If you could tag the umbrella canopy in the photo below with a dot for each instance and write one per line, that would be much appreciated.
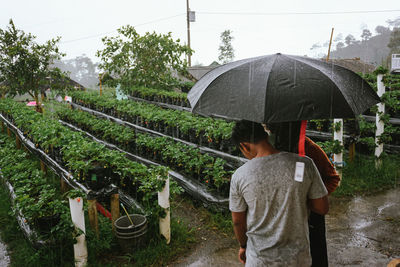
(280, 88)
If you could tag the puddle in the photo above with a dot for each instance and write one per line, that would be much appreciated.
(364, 231)
(221, 258)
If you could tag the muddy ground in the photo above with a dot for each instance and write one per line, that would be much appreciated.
(362, 231)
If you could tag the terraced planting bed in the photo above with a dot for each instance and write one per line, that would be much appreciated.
(188, 160)
(80, 156)
(37, 201)
(213, 133)
(204, 177)
(73, 157)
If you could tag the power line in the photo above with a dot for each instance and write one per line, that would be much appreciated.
(296, 13)
(137, 25)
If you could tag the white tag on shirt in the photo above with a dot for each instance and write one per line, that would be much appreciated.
(299, 173)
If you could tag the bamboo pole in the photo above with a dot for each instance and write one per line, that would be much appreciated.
(330, 44)
(18, 141)
(338, 135)
(43, 167)
(93, 218)
(63, 185)
(101, 76)
(114, 209)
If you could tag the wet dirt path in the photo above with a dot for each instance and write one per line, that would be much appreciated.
(363, 231)
(4, 259)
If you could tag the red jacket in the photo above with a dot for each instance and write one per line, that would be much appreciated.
(326, 169)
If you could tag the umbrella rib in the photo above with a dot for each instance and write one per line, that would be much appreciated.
(312, 65)
(266, 93)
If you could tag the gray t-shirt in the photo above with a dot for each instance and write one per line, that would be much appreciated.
(276, 204)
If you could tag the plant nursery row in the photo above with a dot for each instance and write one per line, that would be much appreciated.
(213, 133)
(89, 162)
(187, 160)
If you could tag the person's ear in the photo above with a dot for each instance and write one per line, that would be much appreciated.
(245, 147)
(246, 150)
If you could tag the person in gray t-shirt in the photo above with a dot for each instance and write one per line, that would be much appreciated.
(270, 197)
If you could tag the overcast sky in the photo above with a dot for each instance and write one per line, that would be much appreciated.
(81, 24)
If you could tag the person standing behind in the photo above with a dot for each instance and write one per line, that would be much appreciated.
(286, 137)
(270, 197)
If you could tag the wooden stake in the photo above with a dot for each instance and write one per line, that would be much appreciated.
(64, 186)
(18, 141)
(3, 129)
(8, 132)
(43, 167)
(114, 209)
(93, 219)
(352, 151)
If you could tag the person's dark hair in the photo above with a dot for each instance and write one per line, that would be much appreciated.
(248, 131)
(286, 135)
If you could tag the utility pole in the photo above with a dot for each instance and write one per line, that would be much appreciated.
(188, 30)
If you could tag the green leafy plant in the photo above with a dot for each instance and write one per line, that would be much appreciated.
(177, 156)
(208, 131)
(20, 52)
(143, 60)
(331, 147)
(77, 153)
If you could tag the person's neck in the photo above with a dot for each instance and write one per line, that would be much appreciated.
(266, 150)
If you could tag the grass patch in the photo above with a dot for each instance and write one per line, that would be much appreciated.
(158, 253)
(362, 178)
(20, 250)
(212, 218)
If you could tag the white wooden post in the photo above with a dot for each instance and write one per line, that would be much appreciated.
(78, 218)
(163, 201)
(379, 122)
(338, 135)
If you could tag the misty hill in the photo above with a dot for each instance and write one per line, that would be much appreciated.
(81, 70)
(373, 50)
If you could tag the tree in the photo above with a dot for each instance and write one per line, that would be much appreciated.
(382, 29)
(25, 64)
(226, 51)
(366, 35)
(394, 23)
(338, 38)
(339, 45)
(81, 69)
(315, 46)
(394, 43)
(349, 40)
(148, 60)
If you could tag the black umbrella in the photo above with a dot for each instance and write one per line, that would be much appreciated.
(280, 88)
